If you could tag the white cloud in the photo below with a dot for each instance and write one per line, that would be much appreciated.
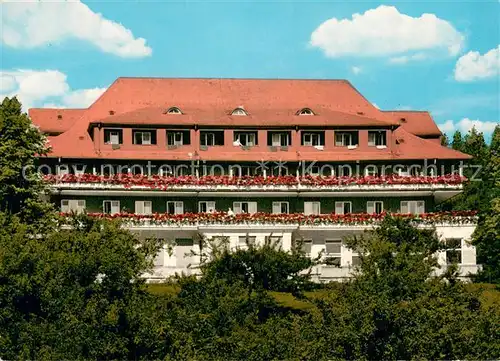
(466, 124)
(403, 59)
(356, 70)
(48, 88)
(474, 66)
(45, 22)
(384, 31)
(403, 107)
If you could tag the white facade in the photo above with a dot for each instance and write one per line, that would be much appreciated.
(183, 255)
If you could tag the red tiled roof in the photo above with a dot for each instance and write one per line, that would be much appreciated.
(55, 120)
(417, 122)
(268, 102)
(258, 117)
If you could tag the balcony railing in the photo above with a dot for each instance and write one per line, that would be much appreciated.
(154, 182)
(297, 219)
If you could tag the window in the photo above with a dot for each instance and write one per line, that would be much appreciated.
(377, 138)
(143, 207)
(345, 170)
(62, 169)
(211, 138)
(343, 207)
(175, 207)
(206, 207)
(314, 170)
(374, 207)
(113, 136)
(244, 240)
(280, 207)
(453, 250)
(143, 137)
(413, 207)
(73, 205)
(278, 139)
(111, 207)
(239, 111)
(313, 139)
(333, 252)
(306, 246)
(305, 111)
(355, 260)
(274, 240)
(207, 139)
(346, 139)
(247, 139)
(79, 169)
(244, 207)
(174, 110)
(371, 171)
(311, 208)
(178, 137)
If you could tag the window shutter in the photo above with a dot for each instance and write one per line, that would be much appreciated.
(339, 207)
(114, 138)
(252, 207)
(65, 208)
(316, 207)
(179, 207)
(370, 207)
(308, 209)
(237, 207)
(148, 209)
(338, 140)
(420, 207)
(115, 207)
(139, 207)
(276, 141)
(211, 206)
(372, 138)
(404, 207)
(276, 207)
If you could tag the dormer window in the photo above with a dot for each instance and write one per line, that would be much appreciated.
(173, 110)
(305, 111)
(239, 111)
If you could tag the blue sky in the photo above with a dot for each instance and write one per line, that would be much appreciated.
(66, 54)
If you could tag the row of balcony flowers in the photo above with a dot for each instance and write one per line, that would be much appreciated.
(155, 181)
(455, 217)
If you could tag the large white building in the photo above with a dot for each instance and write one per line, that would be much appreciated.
(251, 159)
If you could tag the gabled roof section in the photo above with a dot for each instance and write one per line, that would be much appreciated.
(417, 122)
(55, 120)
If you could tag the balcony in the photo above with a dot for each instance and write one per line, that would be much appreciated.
(291, 221)
(442, 187)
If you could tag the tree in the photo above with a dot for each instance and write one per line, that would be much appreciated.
(486, 237)
(445, 141)
(398, 308)
(75, 293)
(20, 185)
(457, 142)
(259, 267)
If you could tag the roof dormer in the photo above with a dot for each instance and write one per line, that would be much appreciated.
(173, 110)
(305, 111)
(239, 111)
